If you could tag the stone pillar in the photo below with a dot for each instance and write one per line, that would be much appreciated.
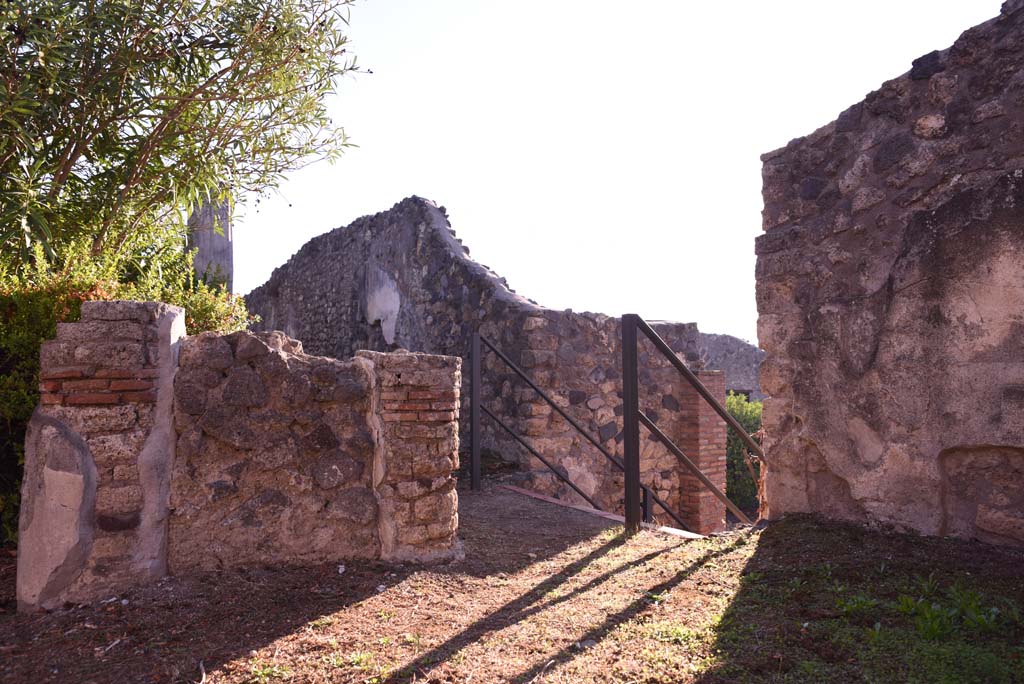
(418, 451)
(703, 440)
(210, 234)
(97, 455)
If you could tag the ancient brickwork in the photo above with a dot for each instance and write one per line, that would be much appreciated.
(705, 446)
(94, 500)
(401, 279)
(418, 409)
(154, 453)
(890, 299)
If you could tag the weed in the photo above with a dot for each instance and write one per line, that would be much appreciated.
(907, 604)
(811, 669)
(655, 597)
(385, 615)
(671, 633)
(928, 586)
(361, 660)
(751, 577)
(933, 622)
(967, 604)
(874, 634)
(858, 603)
(1012, 612)
(322, 622)
(262, 673)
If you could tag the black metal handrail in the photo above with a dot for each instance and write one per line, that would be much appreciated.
(633, 416)
(476, 407)
(666, 350)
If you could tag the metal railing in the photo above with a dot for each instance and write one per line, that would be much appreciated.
(633, 417)
(643, 494)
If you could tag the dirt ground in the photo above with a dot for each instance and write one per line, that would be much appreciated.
(548, 594)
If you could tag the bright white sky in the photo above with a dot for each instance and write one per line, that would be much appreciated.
(601, 156)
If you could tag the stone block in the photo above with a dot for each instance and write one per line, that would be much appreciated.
(139, 312)
(244, 388)
(87, 331)
(207, 349)
(334, 468)
(89, 420)
(118, 499)
(435, 508)
(122, 447)
(355, 505)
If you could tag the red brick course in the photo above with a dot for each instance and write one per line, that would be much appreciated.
(91, 398)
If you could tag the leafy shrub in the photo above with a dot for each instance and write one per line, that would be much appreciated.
(740, 487)
(34, 298)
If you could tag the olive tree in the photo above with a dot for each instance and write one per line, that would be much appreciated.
(119, 116)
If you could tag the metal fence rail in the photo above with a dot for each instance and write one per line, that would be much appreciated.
(633, 417)
(644, 496)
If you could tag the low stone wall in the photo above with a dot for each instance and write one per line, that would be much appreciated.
(401, 279)
(153, 453)
(890, 298)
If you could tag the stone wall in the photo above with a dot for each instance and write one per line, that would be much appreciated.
(739, 360)
(892, 304)
(400, 279)
(153, 453)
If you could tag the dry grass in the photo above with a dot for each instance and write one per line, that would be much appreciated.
(547, 594)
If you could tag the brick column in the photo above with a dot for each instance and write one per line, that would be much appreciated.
(418, 452)
(703, 441)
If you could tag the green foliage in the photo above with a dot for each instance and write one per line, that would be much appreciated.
(740, 487)
(118, 117)
(964, 609)
(856, 604)
(34, 298)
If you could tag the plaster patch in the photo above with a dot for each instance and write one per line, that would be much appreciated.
(382, 302)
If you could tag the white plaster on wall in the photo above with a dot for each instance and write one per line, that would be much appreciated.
(382, 302)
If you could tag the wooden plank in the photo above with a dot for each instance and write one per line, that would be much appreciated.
(601, 514)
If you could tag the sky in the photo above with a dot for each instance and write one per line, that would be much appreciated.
(600, 156)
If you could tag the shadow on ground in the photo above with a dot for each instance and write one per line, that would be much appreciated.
(162, 633)
(549, 594)
(824, 601)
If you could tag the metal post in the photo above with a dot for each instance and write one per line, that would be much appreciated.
(648, 513)
(474, 414)
(631, 423)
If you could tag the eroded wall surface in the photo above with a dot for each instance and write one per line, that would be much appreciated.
(891, 300)
(400, 278)
(155, 453)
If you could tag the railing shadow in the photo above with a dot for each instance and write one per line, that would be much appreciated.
(525, 606)
(624, 615)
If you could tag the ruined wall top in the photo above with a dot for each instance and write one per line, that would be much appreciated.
(950, 123)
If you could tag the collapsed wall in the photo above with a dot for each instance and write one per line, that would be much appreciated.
(891, 299)
(401, 279)
(155, 453)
